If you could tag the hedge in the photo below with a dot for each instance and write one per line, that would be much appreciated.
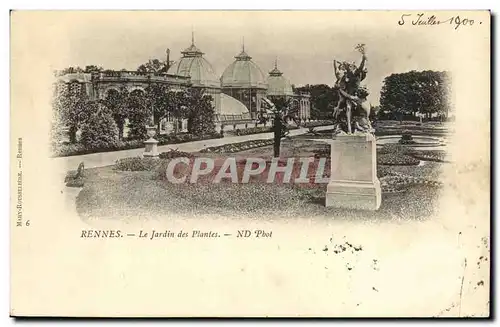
(67, 149)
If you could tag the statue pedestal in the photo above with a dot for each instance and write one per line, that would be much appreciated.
(151, 148)
(353, 181)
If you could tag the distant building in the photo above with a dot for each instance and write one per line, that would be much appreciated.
(245, 81)
(278, 85)
(236, 95)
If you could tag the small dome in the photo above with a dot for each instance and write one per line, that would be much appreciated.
(231, 106)
(243, 73)
(193, 65)
(278, 85)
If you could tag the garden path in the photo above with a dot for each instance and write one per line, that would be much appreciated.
(102, 159)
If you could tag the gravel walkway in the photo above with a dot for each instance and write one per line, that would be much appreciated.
(108, 158)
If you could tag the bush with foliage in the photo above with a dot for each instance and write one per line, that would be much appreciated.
(406, 138)
(99, 130)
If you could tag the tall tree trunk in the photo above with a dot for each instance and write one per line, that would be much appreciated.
(277, 126)
(72, 134)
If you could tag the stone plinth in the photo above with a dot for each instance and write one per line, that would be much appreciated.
(151, 148)
(353, 181)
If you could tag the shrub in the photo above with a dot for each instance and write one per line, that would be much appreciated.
(100, 130)
(406, 138)
(136, 164)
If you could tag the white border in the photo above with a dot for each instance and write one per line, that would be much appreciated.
(213, 5)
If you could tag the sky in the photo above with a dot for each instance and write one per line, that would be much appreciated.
(304, 43)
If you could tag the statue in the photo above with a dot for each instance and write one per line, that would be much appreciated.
(352, 110)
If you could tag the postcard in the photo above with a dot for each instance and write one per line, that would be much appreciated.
(250, 163)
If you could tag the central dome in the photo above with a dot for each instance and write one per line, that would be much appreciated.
(192, 64)
(243, 73)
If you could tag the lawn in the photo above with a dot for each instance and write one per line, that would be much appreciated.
(112, 193)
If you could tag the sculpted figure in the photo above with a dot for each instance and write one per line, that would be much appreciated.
(352, 111)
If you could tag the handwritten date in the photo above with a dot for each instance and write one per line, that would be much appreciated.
(424, 20)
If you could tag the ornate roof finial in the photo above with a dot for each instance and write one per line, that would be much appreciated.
(275, 71)
(192, 51)
(243, 55)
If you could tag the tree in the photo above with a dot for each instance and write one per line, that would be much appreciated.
(279, 110)
(74, 70)
(200, 112)
(139, 115)
(177, 107)
(425, 92)
(92, 69)
(70, 106)
(100, 130)
(323, 99)
(157, 101)
(154, 66)
(69, 70)
(118, 103)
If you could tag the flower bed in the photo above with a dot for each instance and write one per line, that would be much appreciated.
(174, 153)
(251, 130)
(66, 150)
(136, 164)
(399, 159)
(381, 131)
(317, 123)
(237, 147)
(429, 155)
(392, 148)
(256, 130)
